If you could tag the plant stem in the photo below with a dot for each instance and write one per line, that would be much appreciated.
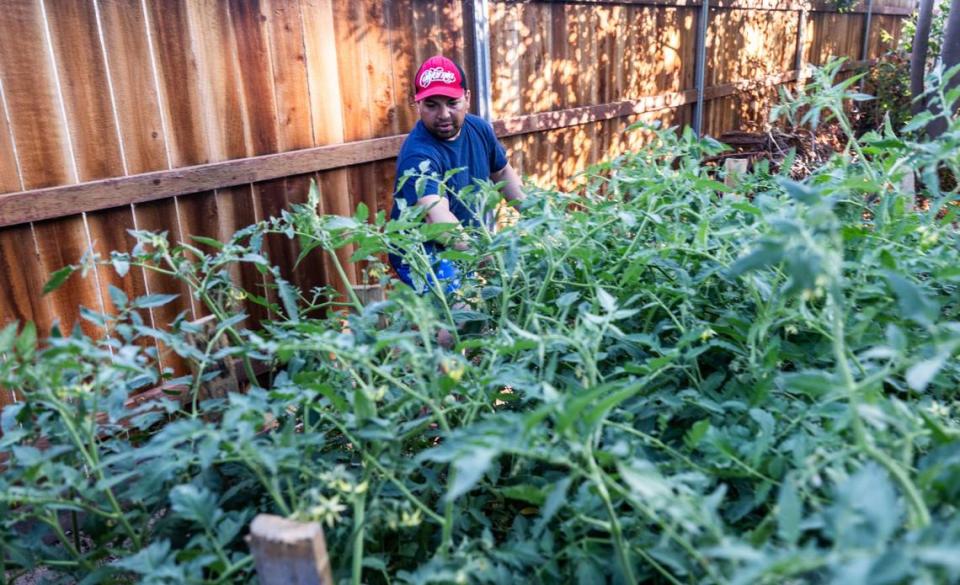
(359, 518)
(919, 514)
(623, 552)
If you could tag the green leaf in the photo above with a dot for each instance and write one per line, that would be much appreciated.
(195, 504)
(288, 296)
(789, 511)
(7, 336)
(524, 493)
(799, 191)
(696, 433)
(121, 263)
(567, 299)
(554, 501)
(154, 300)
(363, 212)
(711, 185)
(607, 301)
(914, 304)
(213, 243)
(468, 469)
(920, 374)
(432, 231)
(765, 254)
(919, 121)
(118, 297)
(27, 342)
(812, 383)
(58, 278)
(154, 560)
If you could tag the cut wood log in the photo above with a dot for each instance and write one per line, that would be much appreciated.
(287, 552)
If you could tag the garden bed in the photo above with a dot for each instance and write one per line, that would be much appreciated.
(648, 383)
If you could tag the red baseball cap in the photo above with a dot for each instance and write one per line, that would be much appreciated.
(439, 76)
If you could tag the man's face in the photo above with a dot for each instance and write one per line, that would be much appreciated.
(443, 116)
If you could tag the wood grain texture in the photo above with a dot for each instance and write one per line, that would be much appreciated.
(399, 23)
(9, 172)
(84, 89)
(326, 112)
(161, 216)
(33, 205)
(22, 299)
(178, 81)
(323, 76)
(130, 70)
(292, 89)
(32, 98)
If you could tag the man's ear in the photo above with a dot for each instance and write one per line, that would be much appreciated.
(466, 97)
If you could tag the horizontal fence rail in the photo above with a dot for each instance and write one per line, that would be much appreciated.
(52, 202)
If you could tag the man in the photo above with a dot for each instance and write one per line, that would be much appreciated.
(447, 138)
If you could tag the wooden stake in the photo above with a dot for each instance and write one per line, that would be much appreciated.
(287, 552)
(732, 169)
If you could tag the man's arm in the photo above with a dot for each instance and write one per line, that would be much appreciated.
(512, 189)
(438, 211)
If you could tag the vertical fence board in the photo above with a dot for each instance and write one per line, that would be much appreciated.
(88, 104)
(289, 75)
(131, 71)
(178, 81)
(378, 66)
(138, 106)
(9, 174)
(326, 112)
(84, 89)
(505, 56)
(294, 122)
(399, 15)
(31, 96)
(254, 69)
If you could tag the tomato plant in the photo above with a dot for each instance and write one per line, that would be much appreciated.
(660, 379)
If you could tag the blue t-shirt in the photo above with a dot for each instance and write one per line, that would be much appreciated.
(476, 148)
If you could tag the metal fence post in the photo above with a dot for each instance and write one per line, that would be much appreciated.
(865, 53)
(478, 30)
(701, 65)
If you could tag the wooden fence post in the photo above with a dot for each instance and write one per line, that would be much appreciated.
(287, 552)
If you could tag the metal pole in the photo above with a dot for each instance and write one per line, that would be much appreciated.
(701, 65)
(481, 47)
(866, 32)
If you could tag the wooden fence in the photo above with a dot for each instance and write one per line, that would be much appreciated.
(199, 117)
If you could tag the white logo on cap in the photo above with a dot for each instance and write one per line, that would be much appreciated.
(436, 74)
